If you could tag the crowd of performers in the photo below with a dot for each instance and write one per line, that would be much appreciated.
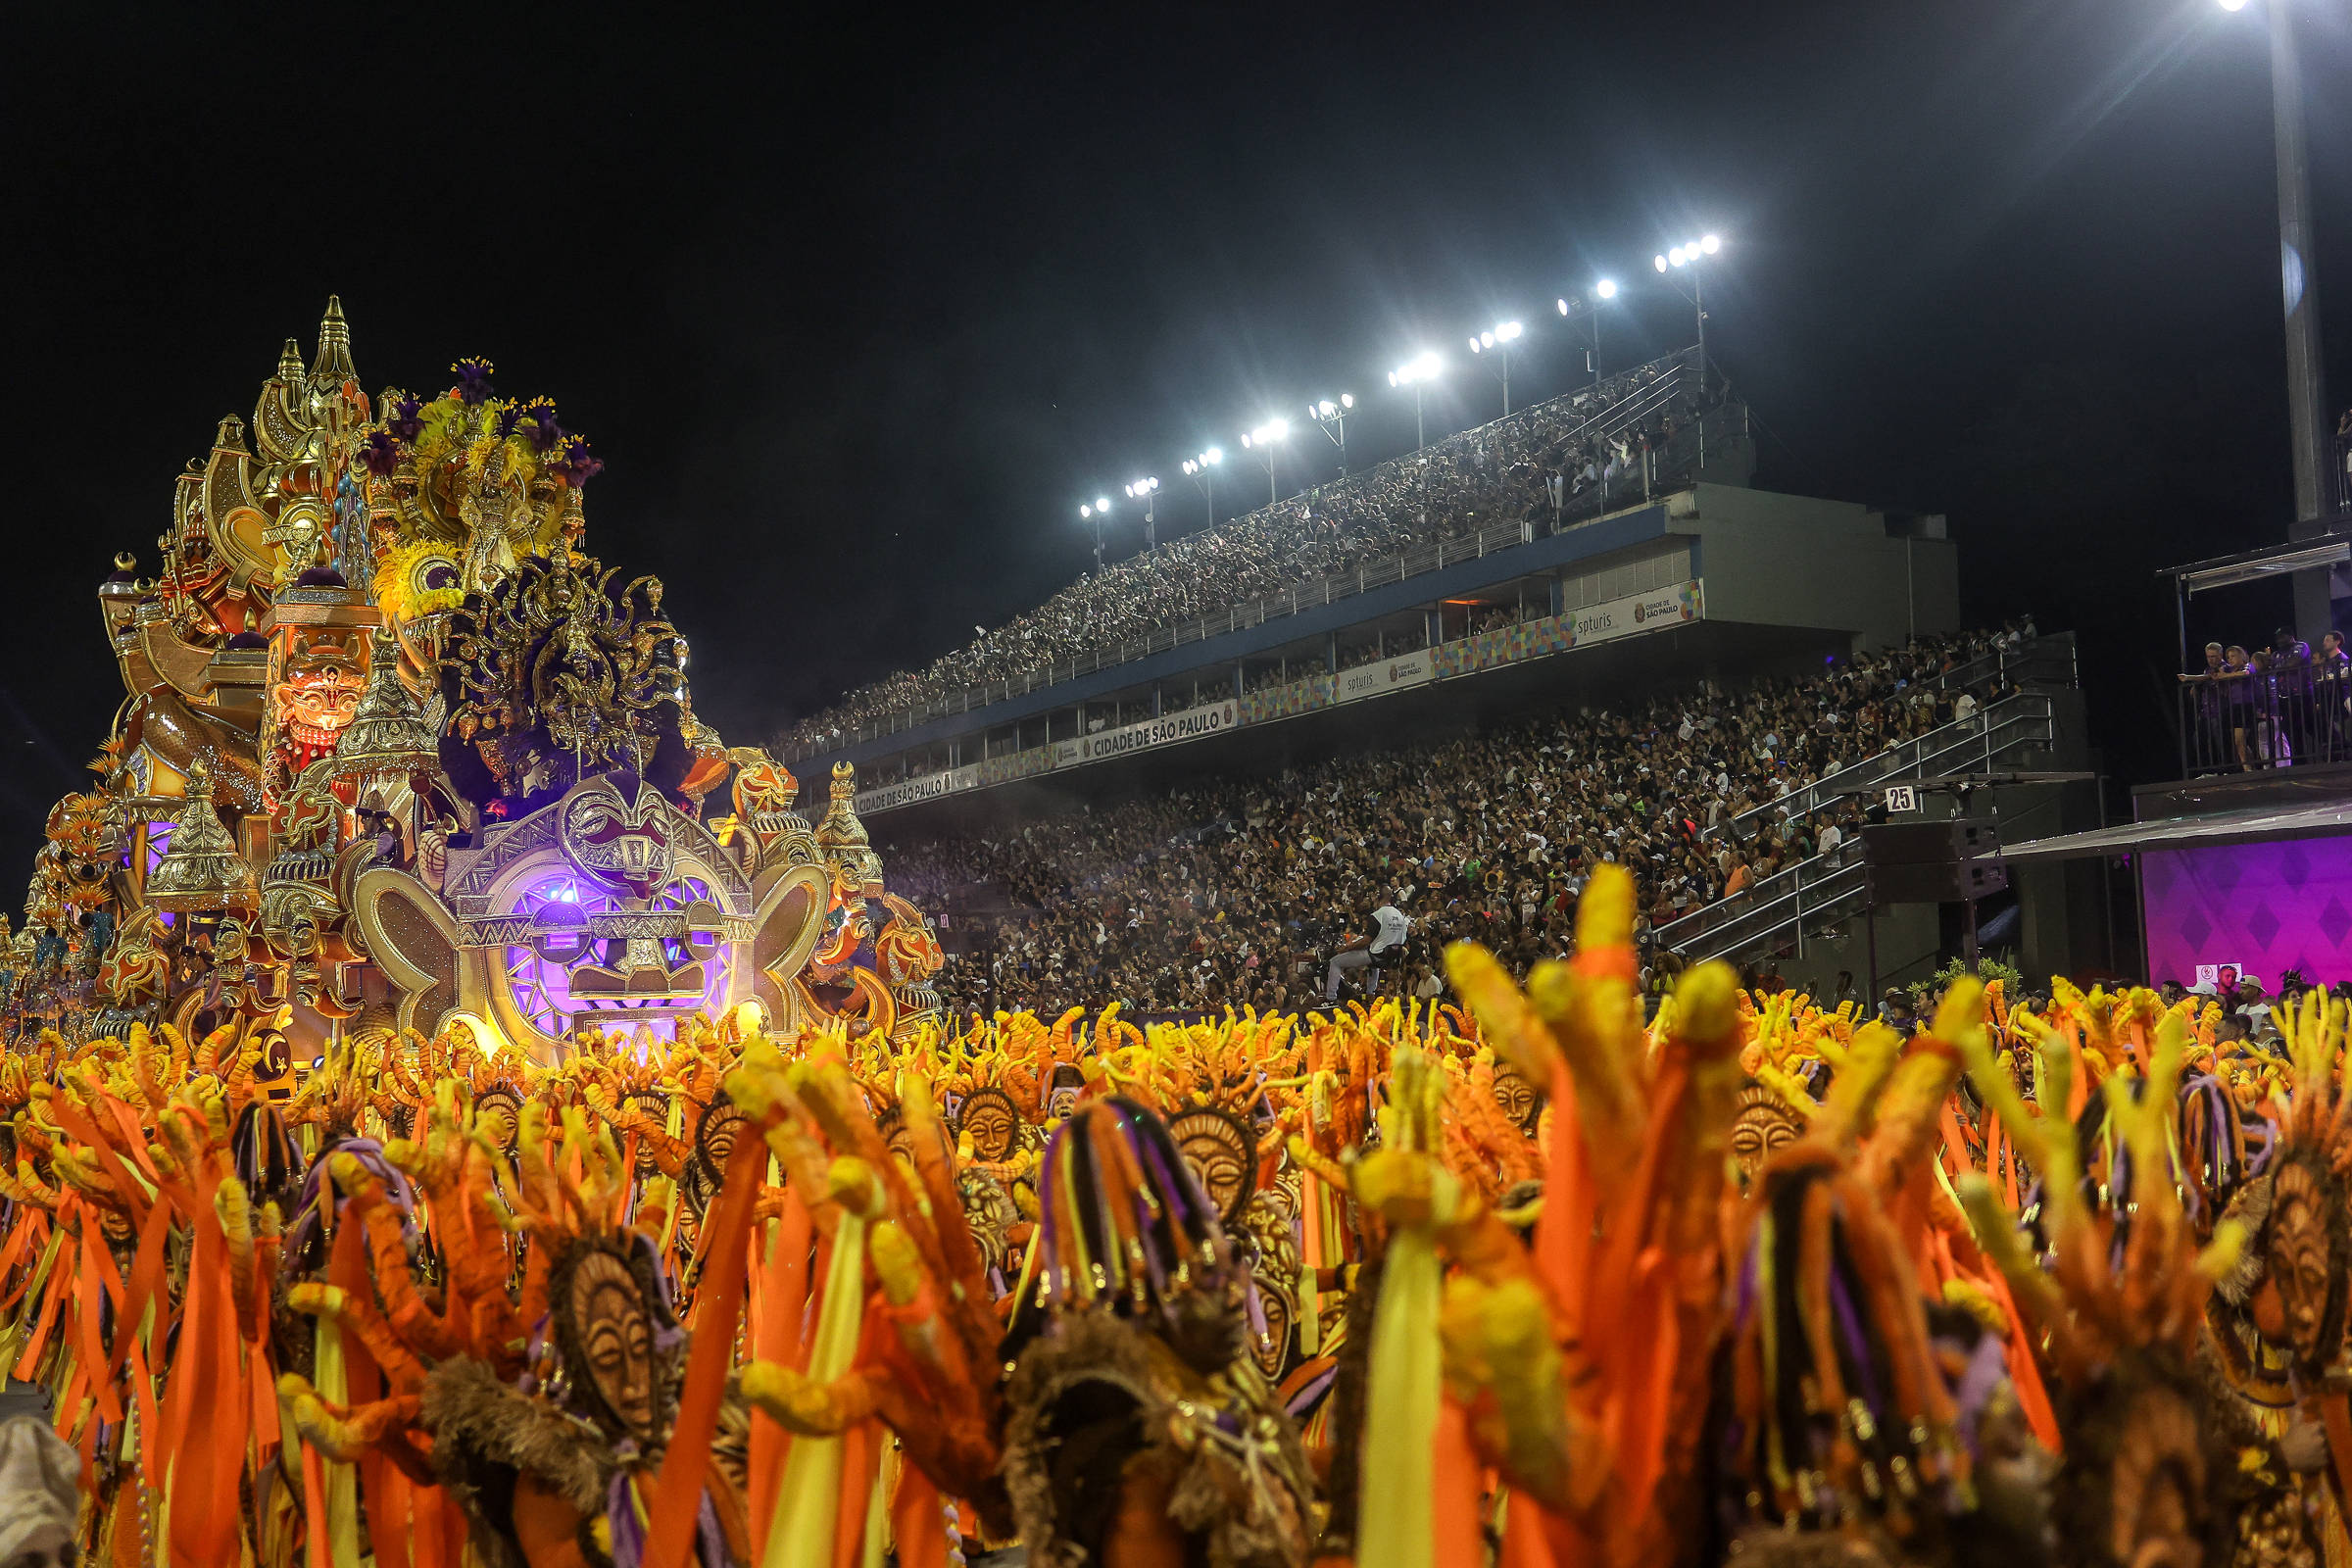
(1536, 1281)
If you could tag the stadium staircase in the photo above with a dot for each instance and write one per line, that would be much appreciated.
(1776, 913)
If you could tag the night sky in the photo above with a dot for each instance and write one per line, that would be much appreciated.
(858, 309)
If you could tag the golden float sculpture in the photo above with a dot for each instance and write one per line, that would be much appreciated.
(395, 754)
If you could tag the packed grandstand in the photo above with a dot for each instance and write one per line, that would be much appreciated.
(1540, 467)
(1236, 894)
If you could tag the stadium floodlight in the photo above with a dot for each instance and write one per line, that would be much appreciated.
(1690, 256)
(1097, 515)
(1147, 490)
(1332, 419)
(1498, 339)
(1201, 470)
(1417, 372)
(1263, 440)
(2233, 5)
(1586, 308)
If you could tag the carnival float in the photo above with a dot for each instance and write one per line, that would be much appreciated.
(396, 754)
(457, 1111)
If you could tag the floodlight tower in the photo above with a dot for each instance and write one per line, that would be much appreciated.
(1587, 311)
(1498, 342)
(1264, 440)
(1694, 257)
(1147, 490)
(1097, 514)
(1201, 470)
(1417, 372)
(1331, 418)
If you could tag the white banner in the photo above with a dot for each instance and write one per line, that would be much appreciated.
(1388, 675)
(929, 787)
(1194, 723)
(1067, 754)
(1652, 612)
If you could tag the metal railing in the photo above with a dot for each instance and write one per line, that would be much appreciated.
(2295, 716)
(2048, 661)
(1654, 472)
(1830, 885)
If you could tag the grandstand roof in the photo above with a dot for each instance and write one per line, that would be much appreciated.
(2253, 824)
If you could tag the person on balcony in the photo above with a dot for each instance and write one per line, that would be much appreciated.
(2243, 697)
(2295, 717)
(2331, 686)
(2210, 750)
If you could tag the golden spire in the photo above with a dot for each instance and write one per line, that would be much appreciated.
(387, 735)
(202, 869)
(289, 364)
(333, 363)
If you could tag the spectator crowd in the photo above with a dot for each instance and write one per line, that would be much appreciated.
(2274, 707)
(1241, 893)
(1537, 468)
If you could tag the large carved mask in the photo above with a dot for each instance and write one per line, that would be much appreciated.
(616, 839)
(316, 696)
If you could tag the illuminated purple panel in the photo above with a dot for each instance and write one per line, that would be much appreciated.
(159, 842)
(2265, 907)
(542, 987)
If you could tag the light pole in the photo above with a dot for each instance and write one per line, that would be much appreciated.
(2299, 280)
(1147, 491)
(1331, 418)
(1693, 256)
(1417, 372)
(1202, 471)
(1588, 312)
(1263, 441)
(1096, 515)
(1499, 343)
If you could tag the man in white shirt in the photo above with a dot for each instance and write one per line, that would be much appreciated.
(1389, 928)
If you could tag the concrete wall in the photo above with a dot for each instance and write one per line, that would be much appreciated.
(1910, 947)
(1763, 555)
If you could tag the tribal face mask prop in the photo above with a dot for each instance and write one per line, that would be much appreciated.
(618, 839)
(615, 1334)
(2305, 1258)
(1219, 1151)
(313, 699)
(992, 1125)
(1762, 1128)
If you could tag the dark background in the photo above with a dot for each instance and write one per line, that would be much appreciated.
(858, 309)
